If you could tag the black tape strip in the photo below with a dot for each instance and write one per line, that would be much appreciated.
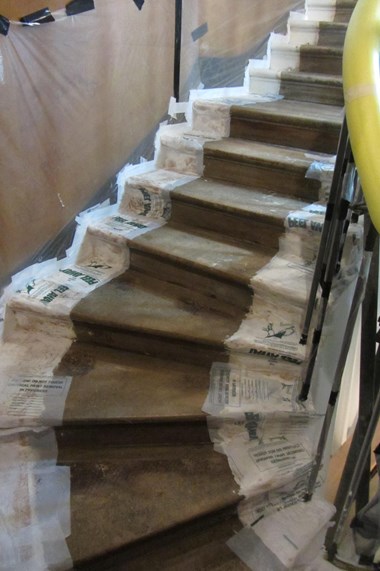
(139, 3)
(79, 6)
(199, 32)
(40, 17)
(4, 25)
(333, 397)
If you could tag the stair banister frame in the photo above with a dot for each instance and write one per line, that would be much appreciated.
(361, 85)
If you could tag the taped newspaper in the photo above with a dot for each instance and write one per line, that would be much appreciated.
(30, 392)
(265, 451)
(236, 390)
(272, 328)
(285, 280)
(253, 509)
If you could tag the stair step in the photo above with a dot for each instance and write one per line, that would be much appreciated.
(314, 88)
(242, 213)
(212, 266)
(133, 493)
(127, 315)
(198, 545)
(343, 10)
(254, 164)
(332, 34)
(304, 31)
(122, 398)
(308, 126)
(321, 59)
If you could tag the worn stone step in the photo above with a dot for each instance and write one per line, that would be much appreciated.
(120, 398)
(321, 59)
(304, 30)
(314, 88)
(130, 494)
(332, 34)
(242, 213)
(197, 545)
(200, 545)
(308, 126)
(259, 165)
(127, 314)
(343, 10)
(215, 268)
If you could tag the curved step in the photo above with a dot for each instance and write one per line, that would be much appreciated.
(332, 33)
(213, 267)
(116, 386)
(130, 494)
(314, 88)
(343, 10)
(302, 125)
(242, 213)
(321, 59)
(199, 545)
(165, 321)
(254, 164)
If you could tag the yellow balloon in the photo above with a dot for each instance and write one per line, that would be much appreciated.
(361, 84)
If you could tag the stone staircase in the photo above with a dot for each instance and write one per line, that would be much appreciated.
(148, 491)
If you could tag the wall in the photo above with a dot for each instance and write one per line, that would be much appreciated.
(76, 96)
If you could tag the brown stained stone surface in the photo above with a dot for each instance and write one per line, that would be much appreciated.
(203, 251)
(123, 306)
(202, 546)
(142, 491)
(332, 33)
(291, 112)
(246, 202)
(284, 122)
(115, 386)
(244, 151)
(321, 59)
(312, 87)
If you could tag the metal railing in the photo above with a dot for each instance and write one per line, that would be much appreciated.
(355, 191)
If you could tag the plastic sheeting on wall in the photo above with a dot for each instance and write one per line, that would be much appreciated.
(77, 96)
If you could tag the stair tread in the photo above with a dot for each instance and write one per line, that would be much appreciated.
(112, 386)
(240, 200)
(138, 492)
(339, 26)
(318, 50)
(247, 151)
(288, 111)
(317, 78)
(121, 304)
(202, 548)
(205, 251)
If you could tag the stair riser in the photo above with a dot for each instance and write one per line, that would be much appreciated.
(311, 92)
(213, 293)
(249, 230)
(152, 345)
(98, 440)
(201, 544)
(259, 175)
(298, 136)
(343, 15)
(330, 37)
(328, 64)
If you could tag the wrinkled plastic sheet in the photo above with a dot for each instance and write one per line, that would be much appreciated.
(289, 539)
(34, 502)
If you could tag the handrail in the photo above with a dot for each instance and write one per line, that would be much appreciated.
(361, 83)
